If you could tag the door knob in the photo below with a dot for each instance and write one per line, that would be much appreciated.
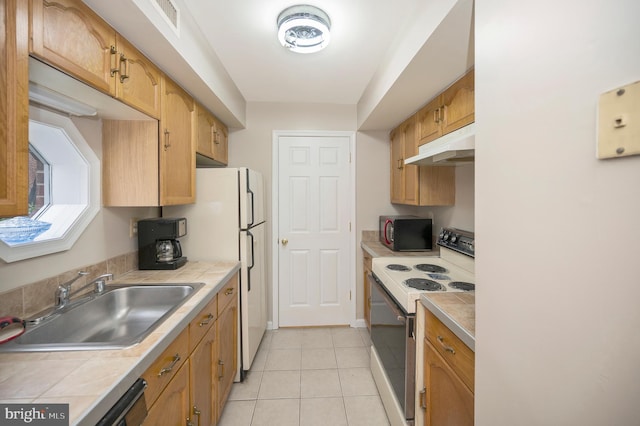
(284, 241)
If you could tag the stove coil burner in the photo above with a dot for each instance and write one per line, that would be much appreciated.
(427, 267)
(461, 285)
(424, 284)
(397, 267)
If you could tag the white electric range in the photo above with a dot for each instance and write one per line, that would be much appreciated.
(396, 283)
(406, 278)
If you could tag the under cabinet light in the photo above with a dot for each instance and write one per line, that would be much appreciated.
(52, 99)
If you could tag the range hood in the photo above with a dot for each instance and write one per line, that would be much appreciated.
(457, 147)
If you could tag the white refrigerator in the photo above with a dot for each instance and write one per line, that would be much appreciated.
(227, 223)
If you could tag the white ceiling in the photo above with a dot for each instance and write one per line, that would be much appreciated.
(244, 38)
(387, 58)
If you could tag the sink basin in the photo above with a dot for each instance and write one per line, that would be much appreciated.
(118, 318)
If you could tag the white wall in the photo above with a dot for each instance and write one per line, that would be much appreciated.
(557, 230)
(107, 236)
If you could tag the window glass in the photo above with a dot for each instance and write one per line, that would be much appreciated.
(64, 189)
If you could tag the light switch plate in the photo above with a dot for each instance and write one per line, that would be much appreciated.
(619, 122)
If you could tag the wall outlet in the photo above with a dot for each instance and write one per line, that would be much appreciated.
(133, 227)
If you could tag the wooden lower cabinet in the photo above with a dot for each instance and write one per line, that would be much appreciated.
(227, 351)
(448, 401)
(203, 386)
(366, 257)
(445, 368)
(190, 382)
(172, 407)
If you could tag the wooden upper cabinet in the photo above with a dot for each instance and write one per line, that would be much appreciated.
(221, 143)
(130, 163)
(177, 146)
(414, 185)
(452, 109)
(14, 108)
(211, 137)
(137, 79)
(70, 36)
(404, 178)
(429, 121)
(458, 103)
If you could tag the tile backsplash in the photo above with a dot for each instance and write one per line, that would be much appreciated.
(28, 300)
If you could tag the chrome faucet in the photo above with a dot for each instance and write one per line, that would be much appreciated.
(64, 293)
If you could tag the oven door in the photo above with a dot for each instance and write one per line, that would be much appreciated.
(392, 336)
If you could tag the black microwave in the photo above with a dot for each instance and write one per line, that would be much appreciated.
(406, 233)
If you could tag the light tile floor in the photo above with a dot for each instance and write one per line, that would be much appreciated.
(308, 377)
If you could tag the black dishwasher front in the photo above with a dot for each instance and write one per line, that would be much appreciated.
(130, 410)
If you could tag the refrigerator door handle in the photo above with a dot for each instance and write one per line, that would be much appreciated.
(253, 263)
(250, 192)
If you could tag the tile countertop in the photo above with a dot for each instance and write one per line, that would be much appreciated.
(457, 311)
(92, 381)
(377, 249)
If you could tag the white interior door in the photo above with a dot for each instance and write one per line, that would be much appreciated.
(314, 212)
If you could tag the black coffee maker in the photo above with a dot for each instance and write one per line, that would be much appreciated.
(158, 245)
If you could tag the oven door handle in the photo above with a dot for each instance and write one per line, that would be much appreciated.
(400, 316)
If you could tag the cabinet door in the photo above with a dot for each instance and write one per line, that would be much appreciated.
(137, 79)
(177, 146)
(220, 143)
(459, 104)
(172, 406)
(227, 351)
(14, 108)
(129, 170)
(397, 166)
(429, 121)
(448, 401)
(70, 36)
(411, 171)
(205, 132)
(203, 382)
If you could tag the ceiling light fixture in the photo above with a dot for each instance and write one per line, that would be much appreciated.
(304, 28)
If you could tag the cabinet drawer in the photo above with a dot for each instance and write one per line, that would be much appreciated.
(458, 355)
(228, 293)
(165, 366)
(199, 326)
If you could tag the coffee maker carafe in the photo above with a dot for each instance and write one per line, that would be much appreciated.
(158, 245)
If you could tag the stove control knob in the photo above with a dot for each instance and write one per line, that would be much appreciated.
(454, 238)
(446, 236)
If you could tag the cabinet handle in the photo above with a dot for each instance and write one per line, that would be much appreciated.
(221, 370)
(228, 291)
(401, 164)
(167, 144)
(423, 399)
(115, 63)
(443, 108)
(436, 115)
(215, 137)
(189, 422)
(206, 321)
(446, 347)
(124, 75)
(168, 369)
(197, 412)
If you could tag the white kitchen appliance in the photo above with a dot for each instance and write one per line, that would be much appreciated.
(227, 223)
(396, 285)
